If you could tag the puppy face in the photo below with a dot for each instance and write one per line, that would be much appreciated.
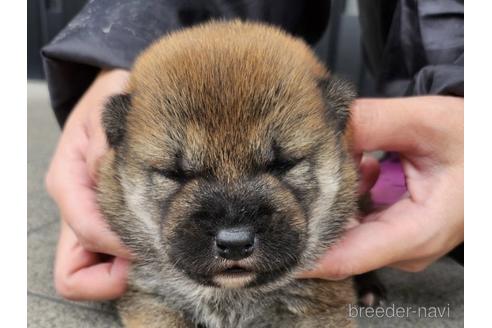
(230, 152)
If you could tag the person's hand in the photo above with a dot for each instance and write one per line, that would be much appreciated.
(80, 271)
(84, 275)
(427, 222)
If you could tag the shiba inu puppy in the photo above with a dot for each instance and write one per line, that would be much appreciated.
(228, 173)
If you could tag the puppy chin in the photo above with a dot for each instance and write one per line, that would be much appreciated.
(233, 280)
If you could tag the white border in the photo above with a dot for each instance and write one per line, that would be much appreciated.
(478, 162)
(13, 248)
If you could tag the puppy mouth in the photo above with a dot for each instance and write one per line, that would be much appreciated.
(234, 276)
(235, 271)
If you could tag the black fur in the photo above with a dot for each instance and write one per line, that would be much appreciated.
(216, 208)
(114, 118)
(339, 94)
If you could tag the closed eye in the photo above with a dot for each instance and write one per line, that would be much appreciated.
(281, 166)
(177, 175)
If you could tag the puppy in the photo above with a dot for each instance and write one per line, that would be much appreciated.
(229, 173)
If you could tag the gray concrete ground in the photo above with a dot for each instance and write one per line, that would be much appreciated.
(439, 287)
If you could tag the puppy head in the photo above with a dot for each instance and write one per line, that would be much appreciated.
(230, 151)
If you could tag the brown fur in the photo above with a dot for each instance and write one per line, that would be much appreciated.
(207, 112)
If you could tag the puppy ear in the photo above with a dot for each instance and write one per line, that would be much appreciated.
(114, 118)
(339, 95)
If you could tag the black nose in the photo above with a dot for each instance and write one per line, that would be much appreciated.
(235, 243)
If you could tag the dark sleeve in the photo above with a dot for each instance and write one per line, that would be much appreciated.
(415, 47)
(110, 34)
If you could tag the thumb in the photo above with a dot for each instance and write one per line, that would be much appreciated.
(386, 124)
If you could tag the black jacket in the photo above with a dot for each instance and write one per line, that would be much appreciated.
(411, 47)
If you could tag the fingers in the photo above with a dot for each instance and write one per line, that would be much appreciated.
(373, 244)
(414, 265)
(385, 124)
(80, 272)
(95, 152)
(78, 205)
(91, 105)
(69, 184)
(81, 275)
(98, 281)
(79, 208)
(369, 173)
(98, 145)
(400, 124)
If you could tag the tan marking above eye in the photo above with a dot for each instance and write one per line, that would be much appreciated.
(301, 168)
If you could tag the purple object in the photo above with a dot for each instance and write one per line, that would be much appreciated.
(391, 183)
